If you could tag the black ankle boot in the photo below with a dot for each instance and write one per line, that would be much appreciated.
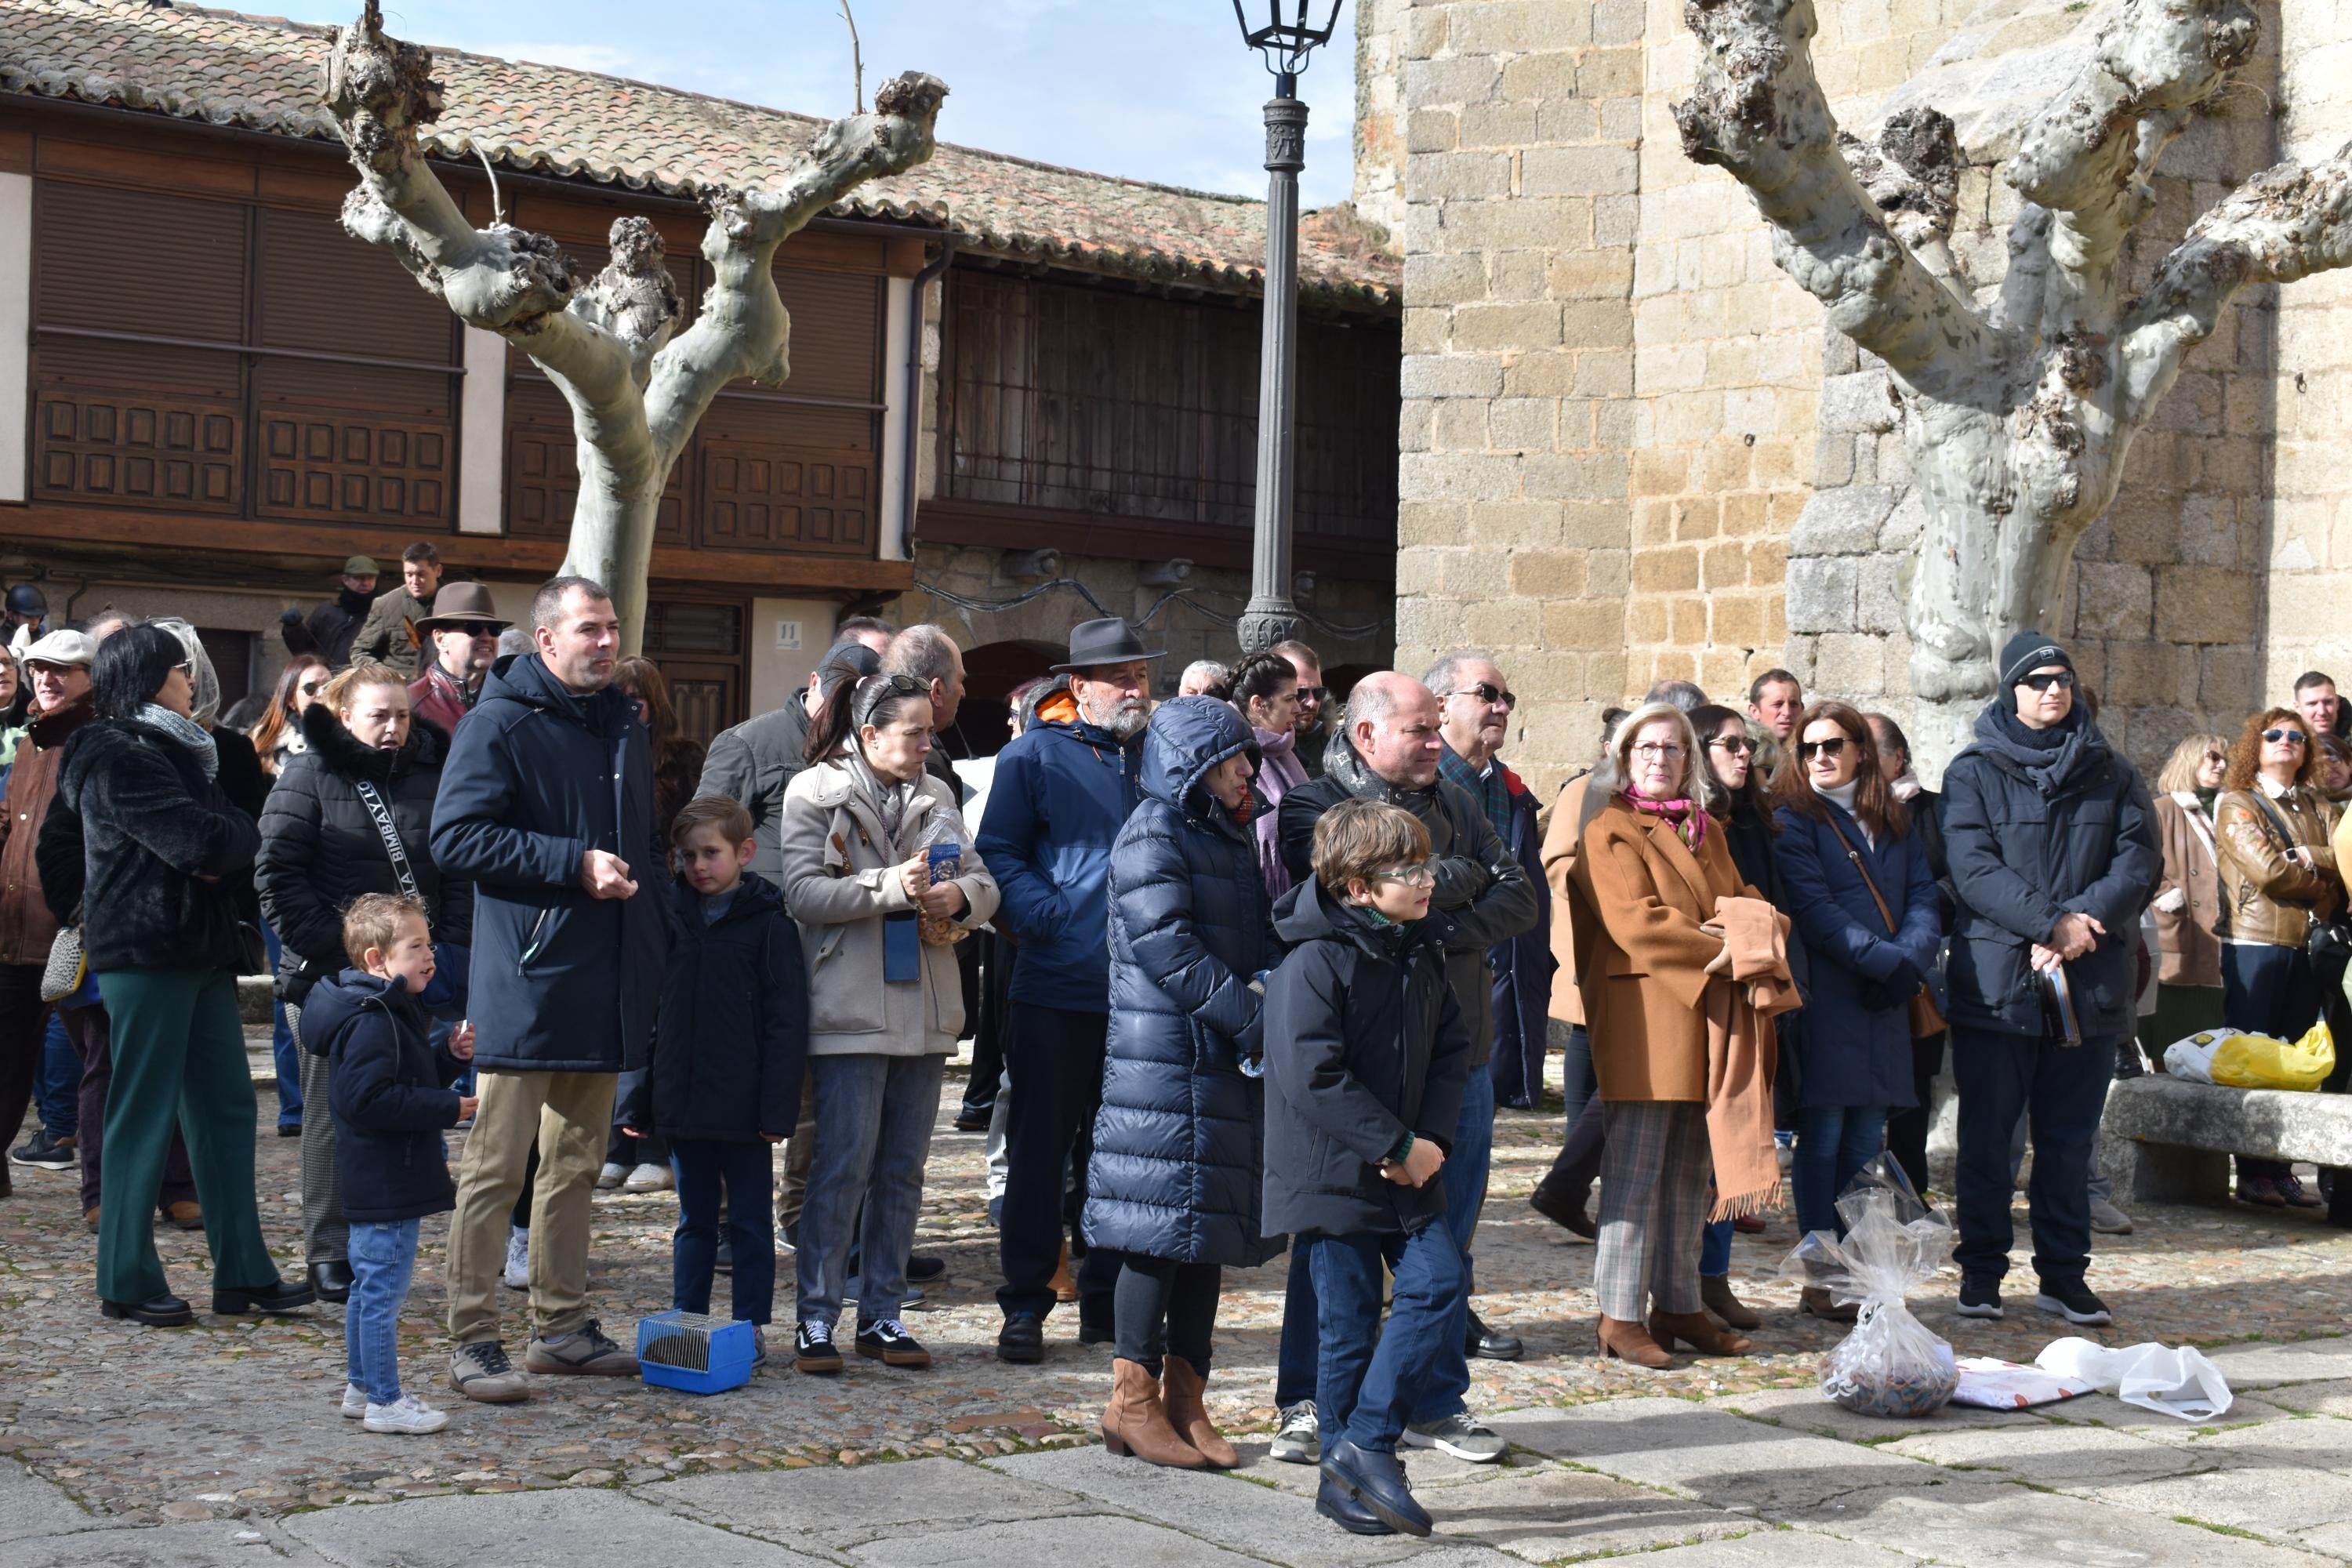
(332, 1280)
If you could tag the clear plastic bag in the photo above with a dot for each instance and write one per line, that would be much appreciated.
(1890, 1364)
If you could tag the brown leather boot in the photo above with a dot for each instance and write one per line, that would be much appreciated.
(1189, 1413)
(1142, 1427)
(1817, 1301)
(1623, 1341)
(1065, 1287)
(1697, 1330)
(1715, 1292)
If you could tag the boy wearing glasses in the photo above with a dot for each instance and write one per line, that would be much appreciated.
(2053, 847)
(1367, 1058)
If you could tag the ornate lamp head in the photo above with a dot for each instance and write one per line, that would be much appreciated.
(1286, 44)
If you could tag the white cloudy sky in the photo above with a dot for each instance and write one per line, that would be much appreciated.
(1155, 90)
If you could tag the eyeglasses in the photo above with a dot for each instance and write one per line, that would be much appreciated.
(1421, 876)
(1493, 695)
(1734, 744)
(2287, 737)
(2043, 681)
(1658, 750)
(1832, 747)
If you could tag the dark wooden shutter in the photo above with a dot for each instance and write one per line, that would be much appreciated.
(136, 424)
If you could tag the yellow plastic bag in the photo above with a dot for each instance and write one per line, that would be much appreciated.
(2259, 1061)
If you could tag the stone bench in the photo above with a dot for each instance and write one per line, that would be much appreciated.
(2166, 1140)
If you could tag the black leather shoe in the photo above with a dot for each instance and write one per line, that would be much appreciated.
(1480, 1342)
(1096, 1334)
(1562, 1210)
(332, 1280)
(1377, 1481)
(969, 1120)
(922, 1267)
(1332, 1501)
(165, 1311)
(278, 1299)
(1023, 1339)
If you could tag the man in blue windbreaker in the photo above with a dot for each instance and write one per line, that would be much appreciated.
(1060, 794)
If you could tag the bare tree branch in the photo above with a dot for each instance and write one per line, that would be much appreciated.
(1760, 113)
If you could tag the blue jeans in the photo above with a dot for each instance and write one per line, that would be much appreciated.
(2061, 1088)
(1368, 1377)
(285, 1055)
(1833, 1143)
(874, 1120)
(746, 1172)
(1464, 1175)
(382, 1259)
(1295, 1364)
(56, 1081)
(1714, 1249)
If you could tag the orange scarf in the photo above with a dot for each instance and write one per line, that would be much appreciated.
(1750, 985)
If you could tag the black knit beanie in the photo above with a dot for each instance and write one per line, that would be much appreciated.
(2027, 652)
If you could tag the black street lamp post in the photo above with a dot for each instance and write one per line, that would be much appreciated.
(1270, 617)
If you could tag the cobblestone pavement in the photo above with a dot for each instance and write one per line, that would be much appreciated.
(223, 1436)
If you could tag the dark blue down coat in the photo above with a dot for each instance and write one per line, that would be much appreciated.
(1178, 1142)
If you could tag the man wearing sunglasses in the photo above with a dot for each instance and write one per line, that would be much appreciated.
(2052, 849)
(1313, 696)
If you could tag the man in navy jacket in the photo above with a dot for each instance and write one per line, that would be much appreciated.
(546, 805)
(1060, 794)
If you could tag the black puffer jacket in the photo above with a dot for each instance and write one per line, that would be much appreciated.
(389, 1094)
(733, 1040)
(2038, 825)
(1178, 1165)
(148, 847)
(321, 848)
(1484, 896)
(1364, 1042)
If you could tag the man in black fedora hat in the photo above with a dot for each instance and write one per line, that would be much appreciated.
(1061, 793)
(460, 638)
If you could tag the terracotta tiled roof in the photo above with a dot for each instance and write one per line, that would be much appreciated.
(262, 73)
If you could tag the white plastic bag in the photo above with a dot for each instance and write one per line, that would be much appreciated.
(1890, 1364)
(2170, 1382)
(2191, 1059)
(1992, 1384)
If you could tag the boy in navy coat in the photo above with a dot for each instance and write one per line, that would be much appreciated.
(390, 1108)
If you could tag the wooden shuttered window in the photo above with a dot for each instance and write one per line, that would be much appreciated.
(225, 358)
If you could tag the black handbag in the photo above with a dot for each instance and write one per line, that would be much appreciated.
(2329, 938)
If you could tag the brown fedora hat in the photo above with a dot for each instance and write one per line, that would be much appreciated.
(466, 604)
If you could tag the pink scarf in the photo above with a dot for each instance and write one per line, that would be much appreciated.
(1683, 816)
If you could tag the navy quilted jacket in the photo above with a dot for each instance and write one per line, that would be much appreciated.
(1179, 1140)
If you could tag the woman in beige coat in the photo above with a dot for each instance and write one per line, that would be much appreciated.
(863, 826)
(2187, 908)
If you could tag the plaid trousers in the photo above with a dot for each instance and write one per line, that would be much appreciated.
(1653, 1196)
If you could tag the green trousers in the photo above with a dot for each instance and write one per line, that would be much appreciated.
(179, 1051)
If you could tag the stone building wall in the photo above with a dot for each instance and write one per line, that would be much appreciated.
(1728, 495)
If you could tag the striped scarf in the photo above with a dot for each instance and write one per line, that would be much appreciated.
(1487, 788)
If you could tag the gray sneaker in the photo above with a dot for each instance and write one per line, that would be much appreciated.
(1460, 1436)
(2109, 1220)
(586, 1352)
(480, 1371)
(1297, 1440)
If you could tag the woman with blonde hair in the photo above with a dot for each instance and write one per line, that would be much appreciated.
(2272, 829)
(2187, 907)
(1682, 964)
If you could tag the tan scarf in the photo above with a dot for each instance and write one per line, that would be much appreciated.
(1750, 984)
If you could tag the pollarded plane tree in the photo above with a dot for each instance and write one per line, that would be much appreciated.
(637, 387)
(2017, 415)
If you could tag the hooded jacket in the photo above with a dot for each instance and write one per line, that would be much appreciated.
(2038, 825)
(1365, 1042)
(1062, 791)
(148, 848)
(733, 1040)
(27, 927)
(753, 763)
(389, 1094)
(1178, 1161)
(321, 848)
(537, 777)
(1483, 897)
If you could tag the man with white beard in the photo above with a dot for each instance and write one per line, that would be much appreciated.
(1060, 794)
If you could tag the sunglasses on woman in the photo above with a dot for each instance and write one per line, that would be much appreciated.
(2288, 737)
(1832, 747)
(1734, 744)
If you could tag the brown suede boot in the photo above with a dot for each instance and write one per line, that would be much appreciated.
(1142, 1427)
(1817, 1301)
(1715, 1292)
(1189, 1413)
(1697, 1330)
(1623, 1341)
(1065, 1287)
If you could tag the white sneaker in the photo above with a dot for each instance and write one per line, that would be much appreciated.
(648, 1178)
(611, 1175)
(407, 1415)
(356, 1402)
(518, 1270)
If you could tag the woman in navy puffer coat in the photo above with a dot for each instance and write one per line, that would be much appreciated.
(1175, 1183)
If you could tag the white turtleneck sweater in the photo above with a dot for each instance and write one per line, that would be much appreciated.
(1845, 794)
